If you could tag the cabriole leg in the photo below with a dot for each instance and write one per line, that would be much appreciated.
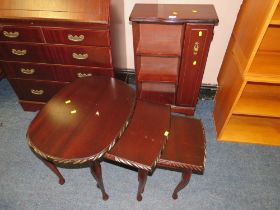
(186, 175)
(142, 178)
(55, 170)
(96, 172)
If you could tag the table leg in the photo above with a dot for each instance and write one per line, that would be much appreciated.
(186, 176)
(55, 170)
(96, 172)
(142, 178)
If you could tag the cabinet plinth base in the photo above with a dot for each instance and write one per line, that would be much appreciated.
(183, 110)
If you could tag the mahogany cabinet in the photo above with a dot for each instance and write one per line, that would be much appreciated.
(171, 44)
(44, 45)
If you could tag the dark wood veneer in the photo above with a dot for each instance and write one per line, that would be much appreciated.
(162, 35)
(54, 45)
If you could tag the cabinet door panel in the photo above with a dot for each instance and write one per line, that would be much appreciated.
(195, 52)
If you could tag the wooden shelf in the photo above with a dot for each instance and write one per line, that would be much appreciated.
(160, 39)
(270, 41)
(160, 69)
(259, 99)
(265, 68)
(276, 17)
(251, 129)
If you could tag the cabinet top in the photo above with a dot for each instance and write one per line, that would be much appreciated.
(91, 11)
(174, 13)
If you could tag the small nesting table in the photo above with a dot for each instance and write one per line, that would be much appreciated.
(98, 117)
(81, 123)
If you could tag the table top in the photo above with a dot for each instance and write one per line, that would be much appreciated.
(174, 13)
(144, 139)
(82, 121)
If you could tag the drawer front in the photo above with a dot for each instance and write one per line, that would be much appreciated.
(77, 37)
(195, 52)
(30, 90)
(22, 52)
(21, 34)
(70, 73)
(29, 71)
(80, 56)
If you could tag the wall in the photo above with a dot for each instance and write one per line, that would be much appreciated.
(122, 32)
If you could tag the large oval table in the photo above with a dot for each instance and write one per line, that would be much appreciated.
(81, 123)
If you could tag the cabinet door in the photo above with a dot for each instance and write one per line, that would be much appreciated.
(195, 52)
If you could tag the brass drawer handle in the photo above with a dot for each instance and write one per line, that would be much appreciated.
(81, 75)
(80, 56)
(27, 71)
(196, 48)
(37, 92)
(11, 34)
(19, 52)
(76, 38)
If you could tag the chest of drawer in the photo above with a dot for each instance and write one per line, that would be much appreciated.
(31, 90)
(77, 36)
(22, 34)
(30, 71)
(80, 55)
(22, 52)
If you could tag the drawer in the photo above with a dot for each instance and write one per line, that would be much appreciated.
(163, 93)
(80, 55)
(21, 34)
(22, 52)
(160, 69)
(70, 73)
(30, 90)
(159, 39)
(29, 70)
(77, 37)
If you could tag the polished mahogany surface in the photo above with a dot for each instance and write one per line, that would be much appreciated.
(185, 148)
(142, 142)
(180, 13)
(43, 43)
(171, 44)
(82, 121)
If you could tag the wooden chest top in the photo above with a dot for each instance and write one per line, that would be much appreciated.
(91, 11)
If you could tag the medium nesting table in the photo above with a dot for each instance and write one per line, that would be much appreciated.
(81, 123)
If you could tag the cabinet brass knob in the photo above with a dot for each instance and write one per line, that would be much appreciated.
(195, 48)
(80, 56)
(76, 38)
(19, 52)
(27, 71)
(37, 92)
(200, 33)
(194, 63)
(81, 75)
(11, 35)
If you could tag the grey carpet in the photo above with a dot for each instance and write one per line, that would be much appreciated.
(237, 176)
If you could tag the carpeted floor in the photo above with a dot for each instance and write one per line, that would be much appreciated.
(237, 176)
